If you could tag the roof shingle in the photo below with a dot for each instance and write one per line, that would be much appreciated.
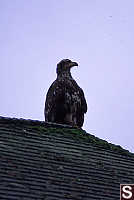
(44, 161)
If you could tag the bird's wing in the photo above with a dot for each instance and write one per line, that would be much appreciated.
(75, 101)
(80, 94)
(54, 99)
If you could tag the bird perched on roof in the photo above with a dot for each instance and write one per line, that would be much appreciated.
(65, 101)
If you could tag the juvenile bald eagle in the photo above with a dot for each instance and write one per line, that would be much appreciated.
(65, 101)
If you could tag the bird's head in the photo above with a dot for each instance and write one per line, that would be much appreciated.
(65, 65)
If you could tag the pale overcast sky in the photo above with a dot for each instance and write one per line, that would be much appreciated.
(98, 34)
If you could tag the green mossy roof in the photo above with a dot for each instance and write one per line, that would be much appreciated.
(68, 131)
(47, 161)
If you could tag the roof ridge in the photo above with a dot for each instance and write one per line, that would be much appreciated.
(80, 134)
(31, 122)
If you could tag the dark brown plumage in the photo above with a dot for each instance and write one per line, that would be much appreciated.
(65, 101)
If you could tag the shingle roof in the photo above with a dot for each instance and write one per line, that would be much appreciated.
(44, 161)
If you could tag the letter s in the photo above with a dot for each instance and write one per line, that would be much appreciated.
(127, 193)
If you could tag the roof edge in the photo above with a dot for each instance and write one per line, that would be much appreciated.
(22, 121)
(80, 134)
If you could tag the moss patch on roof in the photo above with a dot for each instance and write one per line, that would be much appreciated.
(83, 136)
(67, 131)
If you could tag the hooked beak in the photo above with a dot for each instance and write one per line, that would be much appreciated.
(73, 64)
